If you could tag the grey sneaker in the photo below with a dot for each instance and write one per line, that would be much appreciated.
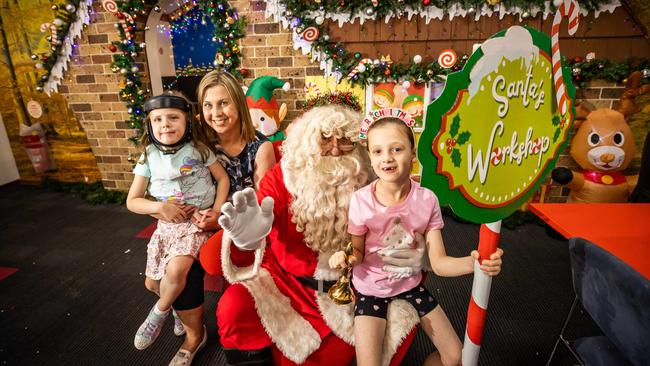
(184, 357)
(149, 330)
(179, 329)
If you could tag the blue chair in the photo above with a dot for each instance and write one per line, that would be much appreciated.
(618, 299)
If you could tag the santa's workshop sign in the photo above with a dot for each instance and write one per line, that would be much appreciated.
(496, 130)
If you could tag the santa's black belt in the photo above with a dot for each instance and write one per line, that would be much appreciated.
(314, 284)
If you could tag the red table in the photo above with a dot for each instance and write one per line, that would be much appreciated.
(622, 229)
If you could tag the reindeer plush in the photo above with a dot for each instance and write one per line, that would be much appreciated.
(603, 147)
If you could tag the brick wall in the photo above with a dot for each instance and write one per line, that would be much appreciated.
(92, 88)
(600, 94)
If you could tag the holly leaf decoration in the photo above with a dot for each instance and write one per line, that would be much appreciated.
(556, 121)
(455, 125)
(556, 134)
(463, 137)
(456, 158)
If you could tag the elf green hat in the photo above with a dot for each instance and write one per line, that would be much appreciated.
(412, 99)
(260, 92)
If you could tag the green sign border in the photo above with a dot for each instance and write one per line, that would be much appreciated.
(438, 183)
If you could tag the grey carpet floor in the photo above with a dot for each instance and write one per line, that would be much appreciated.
(78, 295)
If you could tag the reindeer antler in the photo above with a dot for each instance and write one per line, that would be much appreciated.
(633, 88)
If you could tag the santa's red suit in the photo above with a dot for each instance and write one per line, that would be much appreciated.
(276, 309)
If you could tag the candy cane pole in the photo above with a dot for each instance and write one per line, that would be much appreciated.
(477, 310)
(571, 9)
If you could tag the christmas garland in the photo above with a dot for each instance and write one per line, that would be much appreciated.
(586, 69)
(307, 18)
(229, 27)
(70, 19)
(346, 99)
(132, 92)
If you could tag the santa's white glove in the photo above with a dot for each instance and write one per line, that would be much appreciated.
(245, 221)
(405, 262)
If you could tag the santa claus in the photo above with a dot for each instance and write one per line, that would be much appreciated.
(276, 254)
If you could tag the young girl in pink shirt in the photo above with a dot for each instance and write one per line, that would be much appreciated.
(390, 213)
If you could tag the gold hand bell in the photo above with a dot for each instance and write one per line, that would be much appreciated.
(340, 292)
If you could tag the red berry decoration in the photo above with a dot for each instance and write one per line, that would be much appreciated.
(112, 48)
(244, 72)
(449, 149)
(577, 59)
(453, 142)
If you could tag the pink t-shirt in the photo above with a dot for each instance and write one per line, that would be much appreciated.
(389, 226)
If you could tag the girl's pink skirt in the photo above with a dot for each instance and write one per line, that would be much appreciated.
(171, 240)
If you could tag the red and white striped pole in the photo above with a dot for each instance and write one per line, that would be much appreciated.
(477, 310)
(571, 9)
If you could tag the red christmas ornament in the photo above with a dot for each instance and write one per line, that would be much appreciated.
(426, 2)
(244, 72)
(227, 54)
(130, 29)
(577, 59)
(112, 48)
(387, 72)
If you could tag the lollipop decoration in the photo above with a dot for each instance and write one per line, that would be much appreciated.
(110, 6)
(447, 58)
(310, 34)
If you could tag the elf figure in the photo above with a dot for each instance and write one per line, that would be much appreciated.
(414, 105)
(264, 109)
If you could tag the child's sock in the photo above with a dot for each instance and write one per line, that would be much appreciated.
(157, 311)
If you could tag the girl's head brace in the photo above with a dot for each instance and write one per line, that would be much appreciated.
(168, 101)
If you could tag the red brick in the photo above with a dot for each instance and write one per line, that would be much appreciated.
(84, 107)
(85, 79)
(97, 38)
(280, 61)
(266, 28)
(102, 59)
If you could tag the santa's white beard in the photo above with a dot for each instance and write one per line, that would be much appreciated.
(321, 197)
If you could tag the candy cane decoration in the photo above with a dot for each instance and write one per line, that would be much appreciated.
(488, 240)
(52, 28)
(571, 9)
(361, 67)
(125, 18)
(125, 21)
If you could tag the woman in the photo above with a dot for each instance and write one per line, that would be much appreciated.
(245, 154)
